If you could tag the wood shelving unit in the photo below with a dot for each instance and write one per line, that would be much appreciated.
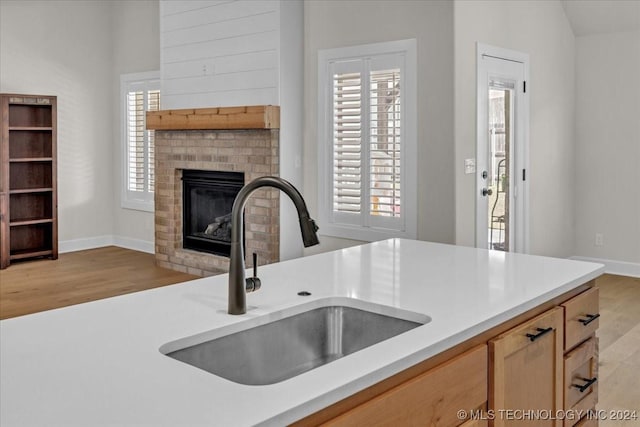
(28, 184)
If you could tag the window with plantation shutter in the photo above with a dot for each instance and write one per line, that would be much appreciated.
(140, 93)
(367, 141)
(347, 129)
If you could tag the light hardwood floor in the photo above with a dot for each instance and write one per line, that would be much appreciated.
(619, 334)
(78, 277)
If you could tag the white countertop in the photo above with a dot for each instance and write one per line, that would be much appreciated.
(98, 363)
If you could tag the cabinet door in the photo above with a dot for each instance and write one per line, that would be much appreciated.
(430, 399)
(525, 372)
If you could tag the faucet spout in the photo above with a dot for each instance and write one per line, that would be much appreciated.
(308, 227)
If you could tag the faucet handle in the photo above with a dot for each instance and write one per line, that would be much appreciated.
(255, 264)
(253, 283)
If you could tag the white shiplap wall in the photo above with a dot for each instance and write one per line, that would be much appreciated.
(219, 53)
(245, 52)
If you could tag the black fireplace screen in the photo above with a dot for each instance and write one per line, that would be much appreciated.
(207, 201)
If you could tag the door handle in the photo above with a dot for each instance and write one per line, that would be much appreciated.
(487, 192)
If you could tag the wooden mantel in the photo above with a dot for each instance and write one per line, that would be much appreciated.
(251, 117)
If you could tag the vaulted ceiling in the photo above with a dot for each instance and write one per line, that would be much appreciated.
(602, 16)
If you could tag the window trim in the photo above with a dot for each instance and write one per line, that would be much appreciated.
(127, 199)
(328, 225)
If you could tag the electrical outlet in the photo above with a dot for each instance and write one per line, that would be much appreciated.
(599, 240)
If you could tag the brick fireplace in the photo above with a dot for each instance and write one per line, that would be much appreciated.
(237, 139)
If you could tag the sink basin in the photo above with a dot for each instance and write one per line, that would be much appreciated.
(275, 350)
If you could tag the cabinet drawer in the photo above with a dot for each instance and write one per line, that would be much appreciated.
(580, 317)
(581, 374)
(432, 398)
(587, 422)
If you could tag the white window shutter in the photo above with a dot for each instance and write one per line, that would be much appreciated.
(347, 143)
(385, 143)
(140, 93)
(367, 160)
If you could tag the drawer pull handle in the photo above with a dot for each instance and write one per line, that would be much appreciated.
(541, 332)
(589, 318)
(589, 382)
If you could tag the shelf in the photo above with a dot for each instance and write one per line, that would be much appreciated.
(28, 161)
(31, 159)
(40, 128)
(31, 175)
(30, 253)
(31, 190)
(30, 222)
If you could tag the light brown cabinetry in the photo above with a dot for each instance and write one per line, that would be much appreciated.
(536, 361)
(580, 377)
(581, 314)
(28, 190)
(430, 399)
(525, 370)
(475, 423)
(547, 364)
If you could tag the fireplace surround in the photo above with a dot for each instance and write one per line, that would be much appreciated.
(224, 140)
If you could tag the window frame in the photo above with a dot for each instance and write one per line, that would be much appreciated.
(358, 227)
(141, 201)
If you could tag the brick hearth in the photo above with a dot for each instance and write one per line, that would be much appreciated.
(252, 151)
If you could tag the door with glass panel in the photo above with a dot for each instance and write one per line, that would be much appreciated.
(501, 219)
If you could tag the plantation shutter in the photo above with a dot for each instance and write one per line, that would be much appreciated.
(347, 142)
(154, 105)
(384, 143)
(366, 142)
(140, 142)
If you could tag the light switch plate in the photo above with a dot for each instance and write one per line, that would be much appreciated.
(469, 166)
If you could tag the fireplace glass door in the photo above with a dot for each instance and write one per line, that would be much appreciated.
(207, 201)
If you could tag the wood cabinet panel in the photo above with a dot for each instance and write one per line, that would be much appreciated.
(432, 398)
(587, 422)
(580, 370)
(582, 407)
(581, 317)
(475, 423)
(525, 369)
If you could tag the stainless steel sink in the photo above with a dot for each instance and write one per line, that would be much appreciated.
(281, 349)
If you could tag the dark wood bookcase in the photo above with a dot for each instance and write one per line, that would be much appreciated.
(28, 190)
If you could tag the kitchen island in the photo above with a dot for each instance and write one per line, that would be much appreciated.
(99, 363)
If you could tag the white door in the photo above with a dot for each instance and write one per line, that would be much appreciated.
(502, 150)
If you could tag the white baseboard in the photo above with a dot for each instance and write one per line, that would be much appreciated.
(134, 244)
(620, 268)
(84, 244)
(102, 241)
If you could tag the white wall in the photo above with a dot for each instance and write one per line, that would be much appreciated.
(249, 52)
(608, 146)
(64, 48)
(539, 28)
(219, 53)
(290, 85)
(331, 24)
(136, 48)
